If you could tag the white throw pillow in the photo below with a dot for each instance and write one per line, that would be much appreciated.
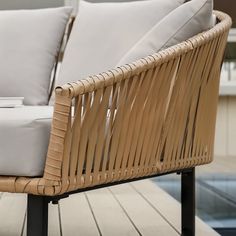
(104, 32)
(29, 43)
(181, 24)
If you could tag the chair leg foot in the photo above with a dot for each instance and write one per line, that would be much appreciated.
(37, 216)
(188, 202)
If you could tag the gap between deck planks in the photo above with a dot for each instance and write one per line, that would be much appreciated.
(140, 208)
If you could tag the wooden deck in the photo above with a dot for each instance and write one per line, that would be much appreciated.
(140, 208)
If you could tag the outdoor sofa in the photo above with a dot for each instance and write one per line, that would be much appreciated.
(151, 117)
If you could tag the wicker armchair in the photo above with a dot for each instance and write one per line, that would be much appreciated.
(152, 117)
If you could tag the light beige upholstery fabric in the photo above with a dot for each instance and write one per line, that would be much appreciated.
(184, 22)
(104, 32)
(24, 136)
(29, 43)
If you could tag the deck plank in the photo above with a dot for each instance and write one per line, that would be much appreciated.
(53, 221)
(169, 207)
(111, 219)
(12, 213)
(76, 217)
(140, 208)
(148, 221)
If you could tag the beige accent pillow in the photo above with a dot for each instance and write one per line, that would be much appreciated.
(29, 43)
(104, 32)
(181, 24)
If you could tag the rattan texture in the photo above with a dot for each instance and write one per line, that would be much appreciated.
(152, 116)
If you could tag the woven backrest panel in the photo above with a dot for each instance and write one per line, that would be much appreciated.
(152, 116)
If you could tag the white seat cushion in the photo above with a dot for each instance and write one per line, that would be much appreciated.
(24, 138)
(181, 24)
(103, 32)
(29, 43)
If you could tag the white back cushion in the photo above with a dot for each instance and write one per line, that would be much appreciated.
(29, 43)
(104, 32)
(184, 22)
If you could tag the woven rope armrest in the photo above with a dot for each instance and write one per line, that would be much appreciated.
(155, 115)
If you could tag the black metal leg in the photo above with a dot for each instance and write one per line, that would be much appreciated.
(188, 202)
(37, 216)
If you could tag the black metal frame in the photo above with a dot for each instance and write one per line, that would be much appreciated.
(188, 202)
(37, 216)
(37, 207)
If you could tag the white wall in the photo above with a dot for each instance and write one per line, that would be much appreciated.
(225, 140)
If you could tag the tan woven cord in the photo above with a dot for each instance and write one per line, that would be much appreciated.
(152, 116)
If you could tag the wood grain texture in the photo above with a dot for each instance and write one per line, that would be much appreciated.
(12, 209)
(110, 217)
(168, 207)
(147, 219)
(76, 216)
